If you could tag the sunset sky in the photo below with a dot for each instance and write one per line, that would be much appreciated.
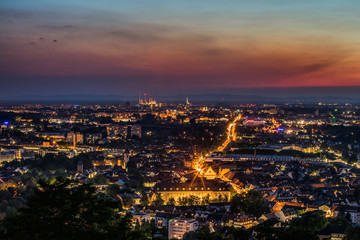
(173, 47)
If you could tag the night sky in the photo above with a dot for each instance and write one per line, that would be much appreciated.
(174, 47)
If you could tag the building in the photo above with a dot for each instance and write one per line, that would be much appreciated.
(80, 166)
(147, 101)
(140, 218)
(75, 138)
(332, 232)
(91, 138)
(353, 212)
(114, 131)
(53, 136)
(179, 226)
(162, 219)
(126, 158)
(9, 155)
(243, 221)
(210, 174)
(213, 189)
(252, 122)
(326, 210)
(286, 215)
(136, 130)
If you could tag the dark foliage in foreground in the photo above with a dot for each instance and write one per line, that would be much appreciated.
(63, 209)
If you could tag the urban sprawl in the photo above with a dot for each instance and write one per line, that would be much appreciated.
(187, 170)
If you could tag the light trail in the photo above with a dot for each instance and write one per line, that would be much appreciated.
(199, 165)
(231, 134)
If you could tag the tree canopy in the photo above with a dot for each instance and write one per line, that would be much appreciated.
(158, 200)
(252, 203)
(63, 209)
(304, 227)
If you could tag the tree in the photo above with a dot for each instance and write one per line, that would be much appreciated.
(235, 233)
(340, 220)
(63, 209)
(182, 201)
(267, 231)
(98, 179)
(353, 233)
(85, 158)
(53, 162)
(314, 220)
(193, 200)
(127, 201)
(304, 227)
(158, 200)
(225, 198)
(202, 234)
(220, 198)
(205, 200)
(252, 203)
(112, 190)
(144, 200)
(171, 201)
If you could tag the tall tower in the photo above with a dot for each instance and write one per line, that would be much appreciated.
(126, 156)
(80, 166)
(74, 139)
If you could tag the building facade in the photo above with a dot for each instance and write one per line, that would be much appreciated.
(212, 189)
(179, 226)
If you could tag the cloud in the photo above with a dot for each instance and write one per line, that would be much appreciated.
(59, 27)
(133, 35)
(139, 32)
(7, 14)
(165, 56)
(319, 66)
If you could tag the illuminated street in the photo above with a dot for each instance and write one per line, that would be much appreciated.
(230, 133)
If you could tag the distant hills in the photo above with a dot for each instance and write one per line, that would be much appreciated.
(65, 98)
(259, 99)
(344, 94)
(194, 98)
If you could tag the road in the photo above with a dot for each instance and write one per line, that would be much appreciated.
(231, 134)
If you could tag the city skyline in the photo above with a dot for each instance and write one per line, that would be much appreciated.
(122, 47)
(139, 119)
